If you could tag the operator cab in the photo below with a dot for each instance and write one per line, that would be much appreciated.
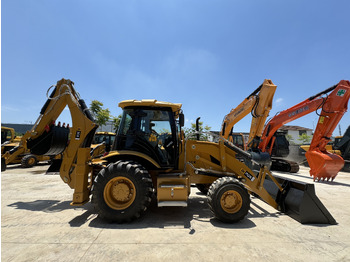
(151, 127)
(281, 145)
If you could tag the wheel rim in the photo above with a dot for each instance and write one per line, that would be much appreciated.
(31, 161)
(231, 201)
(119, 193)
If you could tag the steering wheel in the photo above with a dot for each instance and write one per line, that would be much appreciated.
(153, 132)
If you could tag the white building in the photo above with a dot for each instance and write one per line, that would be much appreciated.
(294, 132)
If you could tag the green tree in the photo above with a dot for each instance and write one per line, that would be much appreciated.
(305, 138)
(290, 139)
(116, 122)
(101, 115)
(189, 131)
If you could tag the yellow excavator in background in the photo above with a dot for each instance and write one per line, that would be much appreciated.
(259, 104)
(151, 156)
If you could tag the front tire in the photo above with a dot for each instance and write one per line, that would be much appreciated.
(122, 191)
(228, 200)
(29, 161)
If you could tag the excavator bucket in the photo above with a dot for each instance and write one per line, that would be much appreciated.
(324, 165)
(299, 201)
(50, 143)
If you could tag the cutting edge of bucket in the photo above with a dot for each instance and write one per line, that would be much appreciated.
(299, 201)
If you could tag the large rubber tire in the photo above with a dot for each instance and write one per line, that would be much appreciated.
(228, 200)
(3, 164)
(29, 161)
(122, 191)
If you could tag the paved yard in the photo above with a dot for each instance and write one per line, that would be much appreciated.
(38, 224)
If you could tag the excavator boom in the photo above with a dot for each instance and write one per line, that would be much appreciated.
(259, 104)
(322, 164)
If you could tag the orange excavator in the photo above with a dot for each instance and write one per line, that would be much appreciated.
(323, 164)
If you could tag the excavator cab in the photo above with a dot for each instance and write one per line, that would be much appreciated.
(281, 145)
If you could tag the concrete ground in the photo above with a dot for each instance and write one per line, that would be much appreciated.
(38, 224)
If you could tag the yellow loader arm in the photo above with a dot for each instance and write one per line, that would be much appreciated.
(259, 103)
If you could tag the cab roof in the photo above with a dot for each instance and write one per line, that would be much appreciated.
(150, 103)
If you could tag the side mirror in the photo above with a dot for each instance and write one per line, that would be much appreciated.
(182, 119)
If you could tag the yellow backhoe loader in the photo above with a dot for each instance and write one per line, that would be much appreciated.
(14, 151)
(151, 156)
(105, 138)
(7, 139)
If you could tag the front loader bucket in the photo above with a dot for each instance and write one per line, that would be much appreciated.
(50, 143)
(299, 201)
(324, 165)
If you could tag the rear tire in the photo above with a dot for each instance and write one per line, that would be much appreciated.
(122, 191)
(228, 200)
(29, 161)
(3, 164)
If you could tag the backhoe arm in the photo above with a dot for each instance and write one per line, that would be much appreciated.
(47, 139)
(259, 104)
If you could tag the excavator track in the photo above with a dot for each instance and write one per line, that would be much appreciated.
(346, 167)
(279, 164)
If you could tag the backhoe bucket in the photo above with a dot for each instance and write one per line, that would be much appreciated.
(324, 165)
(54, 167)
(50, 143)
(299, 201)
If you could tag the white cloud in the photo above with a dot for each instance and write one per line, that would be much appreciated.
(279, 101)
(190, 61)
(5, 108)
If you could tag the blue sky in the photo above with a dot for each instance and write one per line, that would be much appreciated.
(207, 55)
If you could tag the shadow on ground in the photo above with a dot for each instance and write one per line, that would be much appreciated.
(165, 217)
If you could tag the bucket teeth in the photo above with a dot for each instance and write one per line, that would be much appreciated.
(323, 178)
